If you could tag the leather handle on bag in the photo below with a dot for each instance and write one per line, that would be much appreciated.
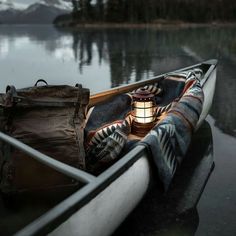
(40, 80)
(11, 89)
(9, 97)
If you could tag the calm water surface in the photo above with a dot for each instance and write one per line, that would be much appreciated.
(100, 59)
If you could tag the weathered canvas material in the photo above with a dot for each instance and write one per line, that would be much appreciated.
(50, 119)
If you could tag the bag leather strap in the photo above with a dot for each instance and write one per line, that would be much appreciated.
(32, 102)
(79, 121)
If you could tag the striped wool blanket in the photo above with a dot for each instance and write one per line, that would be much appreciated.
(168, 141)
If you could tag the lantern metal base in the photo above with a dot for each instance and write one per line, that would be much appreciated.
(141, 129)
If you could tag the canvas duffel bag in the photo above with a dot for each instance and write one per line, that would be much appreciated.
(51, 120)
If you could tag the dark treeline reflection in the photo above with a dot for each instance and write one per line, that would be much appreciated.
(126, 51)
(135, 54)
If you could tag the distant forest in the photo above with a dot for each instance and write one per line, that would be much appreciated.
(149, 11)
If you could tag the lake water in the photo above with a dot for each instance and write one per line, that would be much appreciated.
(104, 58)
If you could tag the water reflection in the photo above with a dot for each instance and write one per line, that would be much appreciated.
(175, 212)
(224, 106)
(18, 36)
(103, 58)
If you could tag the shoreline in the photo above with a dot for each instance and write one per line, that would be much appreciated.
(155, 25)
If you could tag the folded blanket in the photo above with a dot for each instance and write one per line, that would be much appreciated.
(167, 141)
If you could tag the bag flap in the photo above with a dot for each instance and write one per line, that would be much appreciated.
(52, 95)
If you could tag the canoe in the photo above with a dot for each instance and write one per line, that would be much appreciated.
(104, 201)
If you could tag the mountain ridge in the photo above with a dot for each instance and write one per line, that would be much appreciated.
(41, 12)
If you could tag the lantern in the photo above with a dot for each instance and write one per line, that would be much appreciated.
(143, 112)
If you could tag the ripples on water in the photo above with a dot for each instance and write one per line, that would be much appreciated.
(104, 58)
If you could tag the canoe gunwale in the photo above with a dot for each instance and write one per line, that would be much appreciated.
(93, 185)
(102, 96)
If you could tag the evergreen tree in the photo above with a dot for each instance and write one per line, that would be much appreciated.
(83, 10)
(99, 10)
(75, 5)
(114, 11)
(146, 11)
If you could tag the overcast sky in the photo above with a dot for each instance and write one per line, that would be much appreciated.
(24, 1)
(27, 2)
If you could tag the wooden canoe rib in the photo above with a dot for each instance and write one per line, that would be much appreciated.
(95, 209)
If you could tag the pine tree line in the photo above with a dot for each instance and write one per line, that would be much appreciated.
(146, 11)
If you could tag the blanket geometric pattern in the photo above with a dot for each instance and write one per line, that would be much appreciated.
(168, 141)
